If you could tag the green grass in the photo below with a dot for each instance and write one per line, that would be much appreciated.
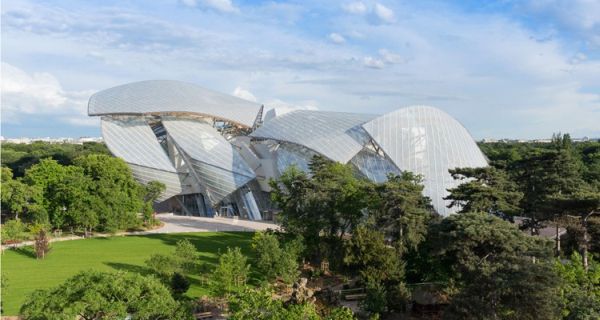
(24, 273)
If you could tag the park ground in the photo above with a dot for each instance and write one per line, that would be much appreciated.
(25, 273)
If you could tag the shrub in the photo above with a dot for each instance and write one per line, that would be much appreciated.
(12, 231)
(231, 274)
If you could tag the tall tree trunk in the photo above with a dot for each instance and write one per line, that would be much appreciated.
(586, 242)
(557, 239)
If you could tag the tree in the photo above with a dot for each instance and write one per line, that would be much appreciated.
(583, 204)
(186, 256)
(41, 241)
(12, 231)
(164, 266)
(547, 173)
(231, 273)
(20, 199)
(401, 211)
(98, 295)
(153, 190)
(179, 284)
(376, 262)
(484, 190)
(275, 260)
(322, 208)
(580, 289)
(118, 198)
(500, 272)
(254, 304)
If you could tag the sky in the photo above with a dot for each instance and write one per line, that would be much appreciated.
(504, 69)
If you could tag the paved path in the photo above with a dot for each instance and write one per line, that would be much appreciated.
(176, 224)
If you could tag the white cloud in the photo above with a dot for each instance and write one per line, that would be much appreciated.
(390, 57)
(336, 38)
(384, 13)
(220, 5)
(244, 94)
(355, 7)
(39, 93)
(374, 63)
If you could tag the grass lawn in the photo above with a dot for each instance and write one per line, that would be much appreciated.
(25, 274)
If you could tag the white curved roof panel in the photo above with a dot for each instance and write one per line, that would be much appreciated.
(132, 140)
(217, 163)
(162, 96)
(429, 142)
(332, 134)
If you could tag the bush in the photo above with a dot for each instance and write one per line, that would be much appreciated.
(179, 284)
(13, 231)
(231, 274)
(275, 260)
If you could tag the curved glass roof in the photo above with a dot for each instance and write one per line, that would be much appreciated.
(219, 166)
(429, 142)
(163, 96)
(328, 133)
(132, 140)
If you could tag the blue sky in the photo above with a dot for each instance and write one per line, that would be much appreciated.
(515, 69)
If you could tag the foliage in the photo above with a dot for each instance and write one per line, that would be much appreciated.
(97, 295)
(164, 266)
(13, 230)
(41, 242)
(376, 299)
(484, 190)
(275, 260)
(98, 192)
(367, 252)
(259, 304)
(20, 157)
(252, 304)
(231, 273)
(401, 211)
(118, 194)
(323, 207)
(21, 200)
(580, 290)
(179, 284)
(492, 263)
(186, 255)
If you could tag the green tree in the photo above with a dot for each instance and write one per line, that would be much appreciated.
(118, 196)
(153, 190)
(323, 207)
(580, 289)
(376, 262)
(583, 205)
(252, 304)
(19, 198)
(186, 256)
(97, 295)
(401, 211)
(275, 260)
(484, 190)
(179, 284)
(13, 231)
(164, 266)
(231, 273)
(500, 272)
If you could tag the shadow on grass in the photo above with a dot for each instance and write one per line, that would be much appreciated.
(26, 251)
(129, 268)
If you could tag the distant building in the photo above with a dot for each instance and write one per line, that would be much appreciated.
(216, 155)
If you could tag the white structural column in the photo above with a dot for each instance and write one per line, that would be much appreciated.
(429, 142)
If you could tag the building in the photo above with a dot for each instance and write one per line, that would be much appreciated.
(216, 154)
